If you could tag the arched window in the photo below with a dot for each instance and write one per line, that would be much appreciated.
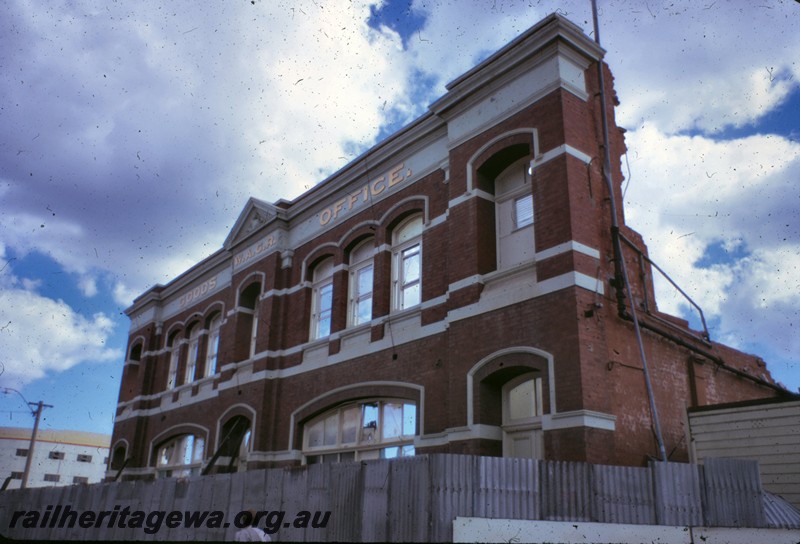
(180, 456)
(361, 273)
(213, 345)
(234, 445)
(118, 458)
(191, 361)
(374, 429)
(136, 352)
(514, 213)
(249, 316)
(174, 346)
(322, 301)
(407, 263)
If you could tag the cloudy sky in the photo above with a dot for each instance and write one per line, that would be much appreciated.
(132, 134)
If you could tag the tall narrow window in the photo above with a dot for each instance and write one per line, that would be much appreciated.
(514, 213)
(174, 358)
(254, 331)
(191, 361)
(407, 263)
(361, 273)
(213, 345)
(322, 310)
(248, 320)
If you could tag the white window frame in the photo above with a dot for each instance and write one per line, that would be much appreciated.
(174, 360)
(185, 458)
(528, 197)
(322, 317)
(212, 349)
(194, 352)
(361, 262)
(402, 249)
(363, 447)
(254, 328)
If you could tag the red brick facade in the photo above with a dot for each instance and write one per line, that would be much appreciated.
(479, 326)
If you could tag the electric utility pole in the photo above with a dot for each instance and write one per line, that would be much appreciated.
(29, 460)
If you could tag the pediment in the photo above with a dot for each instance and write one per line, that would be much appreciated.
(256, 215)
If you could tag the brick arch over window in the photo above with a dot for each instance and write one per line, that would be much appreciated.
(356, 236)
(486, 379)
(399, 213)
(119, 453)
(216, 307)
(346, 394)
(318, 255)
(495, 155)
(136, 349)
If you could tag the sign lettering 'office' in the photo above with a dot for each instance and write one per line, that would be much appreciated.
(370, 190)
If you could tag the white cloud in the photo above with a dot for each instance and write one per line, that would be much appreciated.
(688, 194)
(88, 286)
(40, 335)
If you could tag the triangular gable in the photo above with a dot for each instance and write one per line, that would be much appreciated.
(255, 215)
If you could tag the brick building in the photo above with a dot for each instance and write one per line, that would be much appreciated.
(451, 290)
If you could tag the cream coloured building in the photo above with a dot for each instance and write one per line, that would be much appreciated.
(60, 457)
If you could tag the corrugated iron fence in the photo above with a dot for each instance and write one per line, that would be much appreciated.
(412, 499)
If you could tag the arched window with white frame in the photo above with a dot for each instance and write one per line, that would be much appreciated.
(180, 456)
(212, 349)
(174, 347)
(361, 282)
(322, 299)
(407, 263)
(249, 302)
(193, 353)
(367, 429)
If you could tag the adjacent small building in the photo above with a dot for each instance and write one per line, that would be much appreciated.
(765, 430)
(60, 457)
(455, 289)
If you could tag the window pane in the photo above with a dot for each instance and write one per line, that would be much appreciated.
(324, 326)
(347, 456)
(409, 419)
(407, 451)
(392, 420)
(325, 297)
(523, 211)
(363, 311)
(522, 400)
(315, 434)
(411, 264)
(187, 448)
(331, 429)
(410, 295)
(365, 280)
(409, 230)
(369, 423)
(199, 450)
(350, 419)
(390, 453)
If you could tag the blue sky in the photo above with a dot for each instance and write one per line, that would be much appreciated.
(132, 136)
